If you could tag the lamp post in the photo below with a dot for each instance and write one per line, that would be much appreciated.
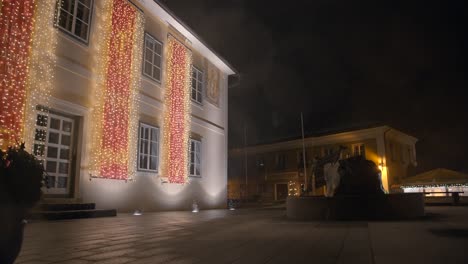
(245, 163)
(304, 159)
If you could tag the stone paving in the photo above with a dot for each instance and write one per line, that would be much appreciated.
(247, 236)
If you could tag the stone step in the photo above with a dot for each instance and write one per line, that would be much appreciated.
(67, 206)
(72, 214)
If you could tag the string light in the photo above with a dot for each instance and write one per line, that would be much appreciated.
(27, 60)
(434, 185)
(292, 189)
(135, 82)
(16, 26)
(176, 127)
(43, 63)
(115, 115)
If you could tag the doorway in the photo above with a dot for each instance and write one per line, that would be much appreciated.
(55, 141)
(281, 191)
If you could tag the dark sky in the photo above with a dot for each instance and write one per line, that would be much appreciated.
(344, 64)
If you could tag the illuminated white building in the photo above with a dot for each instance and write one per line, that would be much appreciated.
(110, 130)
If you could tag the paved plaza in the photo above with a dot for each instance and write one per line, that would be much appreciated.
(247, 236)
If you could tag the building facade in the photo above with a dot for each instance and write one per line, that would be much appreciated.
(124, 104)
(274, 171)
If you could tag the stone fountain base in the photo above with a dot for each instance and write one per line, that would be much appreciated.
(396, 206)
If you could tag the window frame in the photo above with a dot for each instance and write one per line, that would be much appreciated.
(197, 81)
(300, 159)
(260, 162)
(404, 153)
(410, 154)
(326, 151)
(147, 169)
(392, 151)
(199, 165)
(71, 33)
(280, 161)
(361, 147)
(156, 41)
(72, 147)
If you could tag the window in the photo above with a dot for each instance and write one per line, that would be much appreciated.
(195, 157)
(197, 85)
(152, 58)
(392, 151)
(403, 152)
(280, 161)
(327, 151)
(260, 162)
(359, 150)
(260, 188)
(148, 151)
(300, 159)
(74, 17)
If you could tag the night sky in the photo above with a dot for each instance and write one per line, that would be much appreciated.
(343, 64)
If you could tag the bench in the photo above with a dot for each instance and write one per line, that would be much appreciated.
(455, 195)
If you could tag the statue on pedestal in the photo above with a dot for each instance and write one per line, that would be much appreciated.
(359, 176)
(350, 176)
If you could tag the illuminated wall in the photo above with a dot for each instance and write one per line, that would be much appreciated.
(98, 84)
(115, 115)
(177, 112)
(27, 61)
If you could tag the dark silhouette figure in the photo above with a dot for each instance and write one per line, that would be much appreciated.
(359, 176)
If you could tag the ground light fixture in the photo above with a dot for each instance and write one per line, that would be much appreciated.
(194, 207)
(231, 206)
(137, 213)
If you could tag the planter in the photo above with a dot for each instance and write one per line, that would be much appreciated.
(356, 207)
(21, 179)
(11, 232)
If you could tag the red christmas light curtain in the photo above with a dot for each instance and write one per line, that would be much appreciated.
(117, 95)
(177, 112)
(16, 29)
(116, 102)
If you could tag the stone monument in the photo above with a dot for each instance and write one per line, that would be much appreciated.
(354, 192)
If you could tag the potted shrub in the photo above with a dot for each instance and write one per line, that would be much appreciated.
(21, 179)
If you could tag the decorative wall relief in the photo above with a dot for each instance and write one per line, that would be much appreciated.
(212, 84)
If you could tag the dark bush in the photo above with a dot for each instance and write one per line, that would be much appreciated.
(21, 176)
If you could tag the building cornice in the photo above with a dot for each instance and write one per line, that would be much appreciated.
(401, 137)
(342, 137)
(159, 10)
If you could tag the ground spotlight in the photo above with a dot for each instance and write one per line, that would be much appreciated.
(138, 212)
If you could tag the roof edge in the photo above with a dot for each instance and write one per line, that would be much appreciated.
(196, 40)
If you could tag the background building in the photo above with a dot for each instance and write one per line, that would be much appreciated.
(104, 129)
(274, 171)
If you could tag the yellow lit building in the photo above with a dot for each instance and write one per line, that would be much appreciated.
(125, 105)
(274, 171)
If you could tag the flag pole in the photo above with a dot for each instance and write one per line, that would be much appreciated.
(304, 156)
(245, 162)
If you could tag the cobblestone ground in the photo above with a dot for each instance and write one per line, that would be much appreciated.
(247, 236)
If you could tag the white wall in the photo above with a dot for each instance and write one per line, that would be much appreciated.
(73, 89)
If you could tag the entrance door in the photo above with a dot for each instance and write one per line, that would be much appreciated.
(281, 191)
(59, 146)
